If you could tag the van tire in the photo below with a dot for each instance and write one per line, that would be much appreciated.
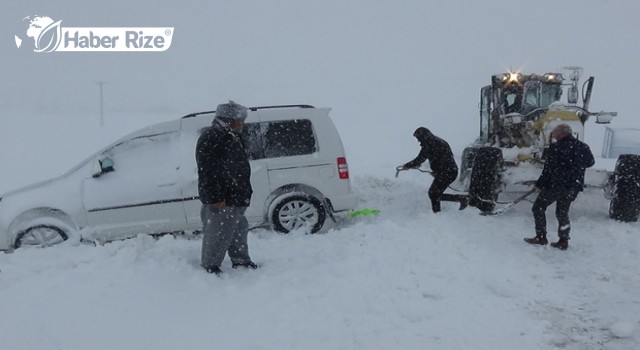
(625, 202)
(47, 235)
(298, 211)
(485, 178)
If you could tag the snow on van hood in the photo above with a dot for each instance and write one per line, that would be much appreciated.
(29, 187)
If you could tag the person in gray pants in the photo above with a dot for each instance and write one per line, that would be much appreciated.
(224, 188)
(225, 227)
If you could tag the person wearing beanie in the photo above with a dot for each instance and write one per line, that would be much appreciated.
(224, 188)
(561, 180)
(443, 168)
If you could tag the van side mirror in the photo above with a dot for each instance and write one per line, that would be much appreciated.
(102, 166)
(605, 117)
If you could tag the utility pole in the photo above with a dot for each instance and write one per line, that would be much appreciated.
(101, 83)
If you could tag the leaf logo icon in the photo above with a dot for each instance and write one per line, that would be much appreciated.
(49, 38)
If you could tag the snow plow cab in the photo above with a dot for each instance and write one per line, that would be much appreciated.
(517, 114)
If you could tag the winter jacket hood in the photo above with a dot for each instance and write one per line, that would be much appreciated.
(436, 150)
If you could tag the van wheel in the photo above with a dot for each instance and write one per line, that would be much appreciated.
(625, 203)
(298, 211)
(484, 186)
(40, 236)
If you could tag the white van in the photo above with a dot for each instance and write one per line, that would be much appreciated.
(147, 182)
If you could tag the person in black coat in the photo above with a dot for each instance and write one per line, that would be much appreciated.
(224, 187)
(443, 168)
(561, 180)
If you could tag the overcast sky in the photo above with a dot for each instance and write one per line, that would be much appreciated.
(287, 51)
(369, 60)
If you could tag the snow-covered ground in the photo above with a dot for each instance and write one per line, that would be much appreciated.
(405, 279)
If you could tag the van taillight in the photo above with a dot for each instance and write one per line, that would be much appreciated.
(343, 168)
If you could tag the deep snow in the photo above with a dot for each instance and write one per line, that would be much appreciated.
(405, 279)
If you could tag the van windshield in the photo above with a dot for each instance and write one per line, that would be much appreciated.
(114, 147)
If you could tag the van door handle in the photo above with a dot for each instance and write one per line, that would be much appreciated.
(167, 184)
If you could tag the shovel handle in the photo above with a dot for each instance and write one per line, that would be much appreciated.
(400, 168)
(511, 204)
(531, 191)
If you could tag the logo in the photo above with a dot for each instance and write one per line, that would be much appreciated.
(49, 35)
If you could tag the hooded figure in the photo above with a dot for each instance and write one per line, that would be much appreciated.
(224, 186)
(443, 167)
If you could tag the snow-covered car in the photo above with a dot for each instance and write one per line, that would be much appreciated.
(147, 181)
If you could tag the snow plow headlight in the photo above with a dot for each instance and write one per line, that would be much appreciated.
(508, 78)
(514, 77)
(553, 78)
(499, 78)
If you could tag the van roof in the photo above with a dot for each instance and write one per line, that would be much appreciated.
(251, 109)
(155, 129)
(174, 125)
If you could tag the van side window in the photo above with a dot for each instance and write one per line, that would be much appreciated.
(279, 139)
(289, 138)
(252, 139)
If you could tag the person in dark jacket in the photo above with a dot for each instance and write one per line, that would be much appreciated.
(224, 189)
(561, 180)
(443, 168)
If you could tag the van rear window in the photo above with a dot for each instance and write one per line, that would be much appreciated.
(279, 139)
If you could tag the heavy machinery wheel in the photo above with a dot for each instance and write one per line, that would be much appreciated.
(298, 211)
(40, 236)
(466, 163)
(625, 203)
(485, 178)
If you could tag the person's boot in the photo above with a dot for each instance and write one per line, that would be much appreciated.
(214, 269)
(562, 244)
(247, 265)
(539, 239)
(464, 202)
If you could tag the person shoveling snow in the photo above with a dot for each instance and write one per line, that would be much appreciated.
(443, 168)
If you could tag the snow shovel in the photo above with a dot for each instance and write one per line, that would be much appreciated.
(510, 204)
(402, 168)
(364, 212)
